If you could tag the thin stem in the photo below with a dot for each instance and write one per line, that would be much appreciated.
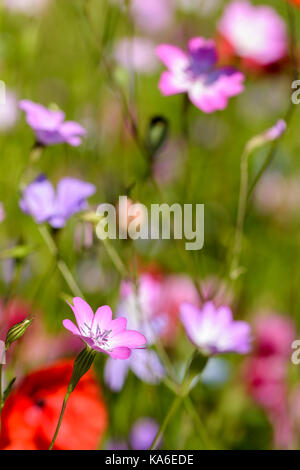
(61, 265)
(195, 415)
(114, 256)
(242, 206)
(174, 407)
(63, 408)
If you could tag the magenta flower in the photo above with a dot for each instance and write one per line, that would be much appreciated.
(255, 32)
(102, 333)
(50, 127)
(196, 74)
(213, 330)
(41, 202)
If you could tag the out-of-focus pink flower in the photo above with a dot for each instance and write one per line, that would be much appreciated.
(152, 16)
(256, 33)
(8, 111)
(137, 54)
(274, 335)
(2, 212)
(213, 330)
(196, 74)
(265, 373)
(28, 7)
(276, 131)
(102, 333)
(50, 126)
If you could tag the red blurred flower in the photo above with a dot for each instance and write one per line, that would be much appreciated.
(30, 414)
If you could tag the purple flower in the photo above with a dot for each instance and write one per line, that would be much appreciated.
(213, 330)
(143, 433)
(195, 73)
(49, 126)
(255, 32)
(137, 54)
(102, 333)
(40, 200)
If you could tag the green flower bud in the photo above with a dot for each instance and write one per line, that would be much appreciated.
(17, 331)
(82, 364)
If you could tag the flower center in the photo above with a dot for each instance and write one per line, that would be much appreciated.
(100, 337)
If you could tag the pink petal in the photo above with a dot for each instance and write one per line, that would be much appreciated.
(120, 353)
(102, 318)
(83, 312)
(190, 316)
(171, 84)
(128, 338)
(173, 57)
(69, 325)
(117, 325)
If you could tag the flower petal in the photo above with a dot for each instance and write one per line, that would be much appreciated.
(83, 314)
(69, 325)
(173, 57)
(128, 338)
(120, 353)
(115, 373)
(117, 325)
(102, 318)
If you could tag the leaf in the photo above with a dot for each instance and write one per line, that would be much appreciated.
(8, 389)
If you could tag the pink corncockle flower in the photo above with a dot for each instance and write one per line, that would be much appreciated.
(102, 333)
(137, 54)
(50, 127)
(2, 212)
(256, 33)
(8, 111)
(196, 74)
(213, 330)
(152, 16)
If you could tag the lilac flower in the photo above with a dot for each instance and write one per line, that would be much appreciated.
(137, 54)
(213, 330)
(196, 74)
(41, 202)
(2, 212)
(102, 333)
(255, 32)
(49, 126)
(139, 309)
(143, 433)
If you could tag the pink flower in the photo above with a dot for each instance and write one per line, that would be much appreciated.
(102, 333)
(195, 73)
(152, 16)
(50, 127)
(137, 54)
(256, 33)
(213, 330)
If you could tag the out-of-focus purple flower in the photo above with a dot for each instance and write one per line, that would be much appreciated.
(278, 196)
(137, 54)
(213, 330)
(28, 7)
(2, 212)
(152, 16)
(50, 126)
(144, 363)
(196, 74)
(275, 131)
(143, 433)
(255, 32)
(8, 111)
(102, 333)
(40, 200)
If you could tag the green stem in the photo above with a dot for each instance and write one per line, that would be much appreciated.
(195, 415)
(242, 207)
(115, 258)
(63, 408)
(174, 407)
(61, 265)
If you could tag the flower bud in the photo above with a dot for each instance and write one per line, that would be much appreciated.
(82, 364)
(17, 331)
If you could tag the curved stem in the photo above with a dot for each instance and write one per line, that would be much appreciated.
(175, 405)
(63, 408)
